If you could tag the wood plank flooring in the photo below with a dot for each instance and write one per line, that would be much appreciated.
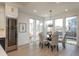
(34, 50)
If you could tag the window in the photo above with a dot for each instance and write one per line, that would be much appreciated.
(59, 25)
(49, 25)
(31, 23)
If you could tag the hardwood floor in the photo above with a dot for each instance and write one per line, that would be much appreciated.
(34, 50)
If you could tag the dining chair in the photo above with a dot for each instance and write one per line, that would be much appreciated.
(42, 40)
(54, 42)
(63, 40)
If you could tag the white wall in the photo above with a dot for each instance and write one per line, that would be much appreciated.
(23, 38)
(2, 16)
(11, 10)
(2, 21)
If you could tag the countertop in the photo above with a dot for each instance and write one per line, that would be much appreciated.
(2, 33)
(2, 52)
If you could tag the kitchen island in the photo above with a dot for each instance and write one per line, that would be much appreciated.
(2, 38)
(2, 52)
(2, 42)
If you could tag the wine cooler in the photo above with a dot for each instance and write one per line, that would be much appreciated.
(11, 34)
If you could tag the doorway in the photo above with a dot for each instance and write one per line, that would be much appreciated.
(31, 30)
(35, 26)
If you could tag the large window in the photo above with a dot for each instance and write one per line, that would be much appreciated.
(49, 25)
(35, 26)
(31, 26)
(31, 29)
(59, 26)
(71, 25)
(39, 28)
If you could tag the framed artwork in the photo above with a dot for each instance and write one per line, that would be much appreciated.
(22, 27)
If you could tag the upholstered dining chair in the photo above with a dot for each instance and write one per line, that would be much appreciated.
(63, 40)
(42, 40)
(54, 42)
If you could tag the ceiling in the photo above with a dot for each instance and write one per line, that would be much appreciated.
(42, 8)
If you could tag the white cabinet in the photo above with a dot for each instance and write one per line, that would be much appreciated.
(2, 52)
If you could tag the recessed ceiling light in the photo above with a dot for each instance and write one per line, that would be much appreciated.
(34, 10)
(66, 10)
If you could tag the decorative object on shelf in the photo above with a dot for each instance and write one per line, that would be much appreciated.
(22, 27)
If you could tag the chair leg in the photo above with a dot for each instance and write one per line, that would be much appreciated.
(48, 45)
(57, 48)
(63, 45)
(51, 48)
(54, 46)
(41, 45)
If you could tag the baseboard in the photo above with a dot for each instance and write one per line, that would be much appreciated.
(23, 45)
